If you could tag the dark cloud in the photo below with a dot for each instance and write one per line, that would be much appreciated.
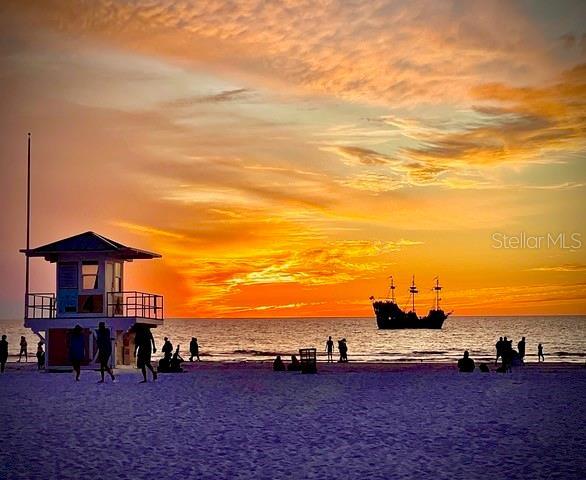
(221, 97)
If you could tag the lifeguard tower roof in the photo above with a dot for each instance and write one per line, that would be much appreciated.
(88, 242)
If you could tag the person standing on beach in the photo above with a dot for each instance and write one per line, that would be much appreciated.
(77, 350)
(104, 343)
(23, 350)
(521, 348)
(330, 349)
(40, 355)
(3, 353)
(499, 350)
(167, 354)
(343, 349)
(144, 348)
(194, 349)
(540, 357)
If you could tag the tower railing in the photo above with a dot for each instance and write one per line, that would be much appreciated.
(40, 305)
(135, 304)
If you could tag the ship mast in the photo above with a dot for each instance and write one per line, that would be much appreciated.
(392, 290)
(437, 289)
(413, 291)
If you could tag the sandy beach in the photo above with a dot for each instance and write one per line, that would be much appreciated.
(241, 420)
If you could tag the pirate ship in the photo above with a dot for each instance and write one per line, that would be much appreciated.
(390, 316)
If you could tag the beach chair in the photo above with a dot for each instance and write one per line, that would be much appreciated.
(308, 360)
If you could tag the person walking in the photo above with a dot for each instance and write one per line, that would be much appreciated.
(144, 347)
(540, 357)
(104, 343)
(3, 353)
(23, 350)
(194, 349)
(77, 350)
(330, 349)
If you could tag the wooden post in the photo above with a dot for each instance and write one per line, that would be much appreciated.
(28, 227)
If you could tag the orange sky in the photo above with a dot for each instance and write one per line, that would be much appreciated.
(285, 158)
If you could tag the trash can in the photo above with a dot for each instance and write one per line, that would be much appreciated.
(308, 359)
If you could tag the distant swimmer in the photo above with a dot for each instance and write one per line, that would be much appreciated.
(540, 357)
(499, 349)
(466, 364)
(330, 349)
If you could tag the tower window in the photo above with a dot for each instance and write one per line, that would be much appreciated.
(89, 275)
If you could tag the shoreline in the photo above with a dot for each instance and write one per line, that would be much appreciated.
(323, 367)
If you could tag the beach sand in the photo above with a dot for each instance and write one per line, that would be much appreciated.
(241, 420)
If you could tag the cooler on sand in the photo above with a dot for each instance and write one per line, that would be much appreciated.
(308, 359)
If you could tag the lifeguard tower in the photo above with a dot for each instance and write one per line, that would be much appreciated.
(89, 290)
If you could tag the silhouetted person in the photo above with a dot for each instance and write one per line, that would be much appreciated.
(521, 348)
(77, 350)
(483, 367)
(3, 353)
(144, 348)
(499, 350)
(40, 356)
(343, 349)
(540, 357)
(278, 365)
(294, 366)
(167, 350)
(104, 343)
(466, 364)
(176, 360)
(330, 349)
(23, 349)
(194, 349)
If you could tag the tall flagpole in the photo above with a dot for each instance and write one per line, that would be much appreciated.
(28, 226)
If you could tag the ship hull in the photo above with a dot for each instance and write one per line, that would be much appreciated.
(389, 324)
(390, 317)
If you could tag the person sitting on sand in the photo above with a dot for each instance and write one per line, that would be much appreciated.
(23, 349)
(167, 349)
(540, 357)
(466, 364)
(77, 350)
(3, 353)
(40, 356)
(176, 360)
(104, 344)
(294, 366)
(330, 349)
(194, 349)
(142, 349)
(278, 365)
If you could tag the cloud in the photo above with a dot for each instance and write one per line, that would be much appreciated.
(359, 156)
(566, 267)
(221, 97)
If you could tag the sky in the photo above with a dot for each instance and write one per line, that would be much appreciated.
(285, 158)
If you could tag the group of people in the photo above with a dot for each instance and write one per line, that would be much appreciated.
(23, 351)
(279, 365)
(342, 350)
(505, 351)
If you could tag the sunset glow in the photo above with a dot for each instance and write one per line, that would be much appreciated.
(286, 158)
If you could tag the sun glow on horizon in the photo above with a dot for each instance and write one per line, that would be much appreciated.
(286, 159)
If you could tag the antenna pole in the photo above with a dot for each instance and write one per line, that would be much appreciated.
(28, 226)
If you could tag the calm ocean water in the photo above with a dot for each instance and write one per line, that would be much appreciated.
(563, 337)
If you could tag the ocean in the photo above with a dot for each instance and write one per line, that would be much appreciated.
(254, 339)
